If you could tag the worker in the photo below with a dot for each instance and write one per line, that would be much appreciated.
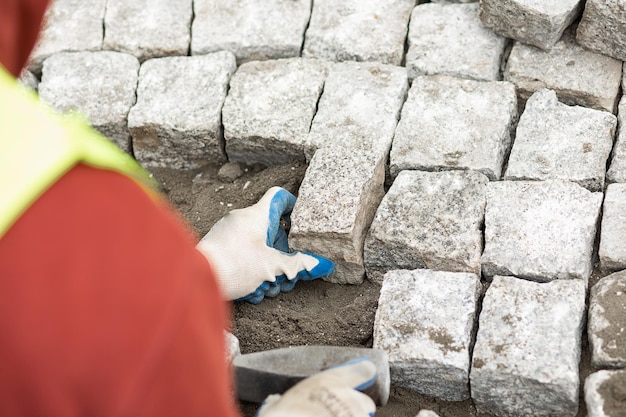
(107, 308)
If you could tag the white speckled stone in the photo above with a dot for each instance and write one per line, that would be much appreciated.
(232, 346)
(177, 119)
(99, 85)
(358, 30)
(359, 107)
(336, 203)
(603, 28)
(540, 231)
(269, 109)
(612, 249)
(148, 28)
(29, 80)
(250, 29)
(428, 220)
(69, 26)
(617, 170)
(556, 141)
(604, 394)
(449, 39)
(449, 123)
(535, 22)
(427, 413)
(425, 321)
(568, 69)
(525, 360)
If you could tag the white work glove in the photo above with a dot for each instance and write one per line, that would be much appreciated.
(332, 393)
(249, 252)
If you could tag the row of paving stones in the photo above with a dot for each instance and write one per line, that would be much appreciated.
(343, 118)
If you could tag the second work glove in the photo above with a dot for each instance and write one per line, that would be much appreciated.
(249, 252)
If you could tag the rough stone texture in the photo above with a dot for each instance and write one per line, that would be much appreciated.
(450, 39)
(607, 322)
(99, 85)
(448, 123)
(617, 170)
(534, 22)
(540, 231)
(177, 119)
(568, 69)
(336, 203)
(557, 141)
(269, 109)
(358, 30)
(612, 251)
(525, 360)
(604, 394)
(29, 80)
(428, 220)
(232, 346)
(427, 413)
(603, 28)
(148, 28)
(359, 107)
(425, 321)
(78, 18)
(250, 29)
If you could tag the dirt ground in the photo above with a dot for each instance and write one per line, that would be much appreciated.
(314, 312)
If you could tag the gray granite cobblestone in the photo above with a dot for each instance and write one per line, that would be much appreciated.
(604, 394)
(612, 251)
(617, 169)
(603, 28)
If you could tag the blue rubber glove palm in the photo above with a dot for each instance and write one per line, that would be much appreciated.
(249, 251)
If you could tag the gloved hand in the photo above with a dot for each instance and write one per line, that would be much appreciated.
(249, 252)
(332, 393)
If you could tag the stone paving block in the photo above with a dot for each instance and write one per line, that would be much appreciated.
(568, 69)
(617, 169)
(359, 107)
(358, 30)
(538, 23)
(428, 220)
(540, 231)
(604, 394)
(269, 109)
(232, 346)
(99, 85)
(607, 322)
(557, 141)
(449, 39)
(29, 80)
(250, 29)
(449, 123)
(603, 28)
(424, 322)
(176, 122)
(69, 26)
(612, 251)
(336, 203)
(525, 360)
(148, 28)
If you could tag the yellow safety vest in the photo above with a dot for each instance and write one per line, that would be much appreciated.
(38, 146)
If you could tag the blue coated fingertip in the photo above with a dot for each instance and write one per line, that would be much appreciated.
(324, 268)
(282, 203)
(367, 383)
(281, 243)
(273, 290)
(288, 285)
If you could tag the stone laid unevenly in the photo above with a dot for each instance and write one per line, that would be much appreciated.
(612, 251)
(557, 141)
(176, 122)
(541, 231)
(568, 69)
(232, 346)
(250, 29)
(428, 220)
(538, 23)
(336, 203)
(359, 107)
(617, 169)
(29, 80)
(525, 360)
(449, 39)
(148, 28)
(99, 85)
(269, 109)
(449, 123)
(358, 30)
(69, 26)
(425, 321)
(603, 28)
(604, 394)
(607, 322)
